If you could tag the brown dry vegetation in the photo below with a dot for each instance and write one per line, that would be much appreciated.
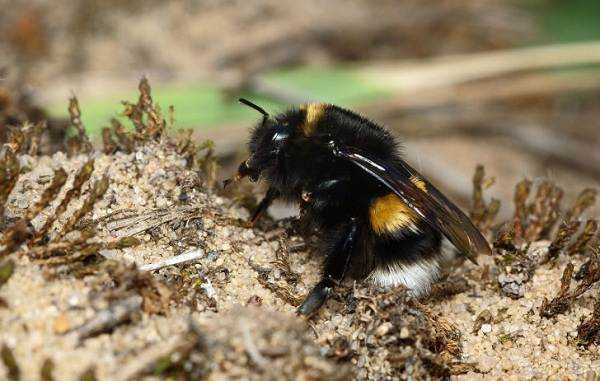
(79, 300)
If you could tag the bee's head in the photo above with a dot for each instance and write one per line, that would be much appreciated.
(267, 141)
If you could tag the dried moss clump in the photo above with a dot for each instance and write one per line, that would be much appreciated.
(563, 301)
(483, 213)
(532, 238)
(588, 332)
(414, 341)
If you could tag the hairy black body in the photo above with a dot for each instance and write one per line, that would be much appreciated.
(376, 216)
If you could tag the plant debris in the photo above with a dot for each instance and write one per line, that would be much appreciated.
(447, 287)
(6, 270)
(483, 213)
(565, 298)
(588, 332)
(79, 143)
(47, 370)
(581, 244)
(484, 317)
(117, 313)
(89, 375)
(521, 246)
(9, 361)
(406, 329)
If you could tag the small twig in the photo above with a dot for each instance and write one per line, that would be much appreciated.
(176, 260)
(106, 320)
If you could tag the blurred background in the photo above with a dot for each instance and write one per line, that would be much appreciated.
(513, 85)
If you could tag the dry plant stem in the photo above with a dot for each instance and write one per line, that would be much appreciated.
(543, 212)
(521, 194)
(100, 187)
(14, 236)
(133, 224)
(155, 123)
(563, 236)
(490, 90)
(56, 248)
(588, 332)
(482, 213)
(584, 201)
(125, 142)
(478, 207)
(9, 174)
(563, 301)
(118, 313)
(408, 78)
(519, 248)
(538, 140)
(36, 137)
(156, 296)
(75, 114)
(55, 253)
(49, 194)
(582, 243)
(154, 126)
(186, 257)
(109, 144)
(16, 138)
(80, 178)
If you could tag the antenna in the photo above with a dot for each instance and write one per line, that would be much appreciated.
(256, 107)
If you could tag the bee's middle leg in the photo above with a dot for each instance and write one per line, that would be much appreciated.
(336, 266)
(264, 204)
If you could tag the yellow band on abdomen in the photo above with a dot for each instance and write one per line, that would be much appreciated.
(388, 214)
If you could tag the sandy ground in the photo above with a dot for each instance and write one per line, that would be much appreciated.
(243, 267)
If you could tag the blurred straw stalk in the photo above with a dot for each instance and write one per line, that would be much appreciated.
(409, 76)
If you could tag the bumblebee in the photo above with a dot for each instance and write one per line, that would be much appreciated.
(379, 219)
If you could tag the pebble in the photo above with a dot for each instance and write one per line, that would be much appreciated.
(486, 328)
(486, 363)
(383, 329)
(74, 301)
(62, 324)
(506, 364)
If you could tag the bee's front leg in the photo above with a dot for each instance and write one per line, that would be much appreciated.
(335, 268)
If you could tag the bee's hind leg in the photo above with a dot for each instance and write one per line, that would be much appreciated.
(335, 268)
